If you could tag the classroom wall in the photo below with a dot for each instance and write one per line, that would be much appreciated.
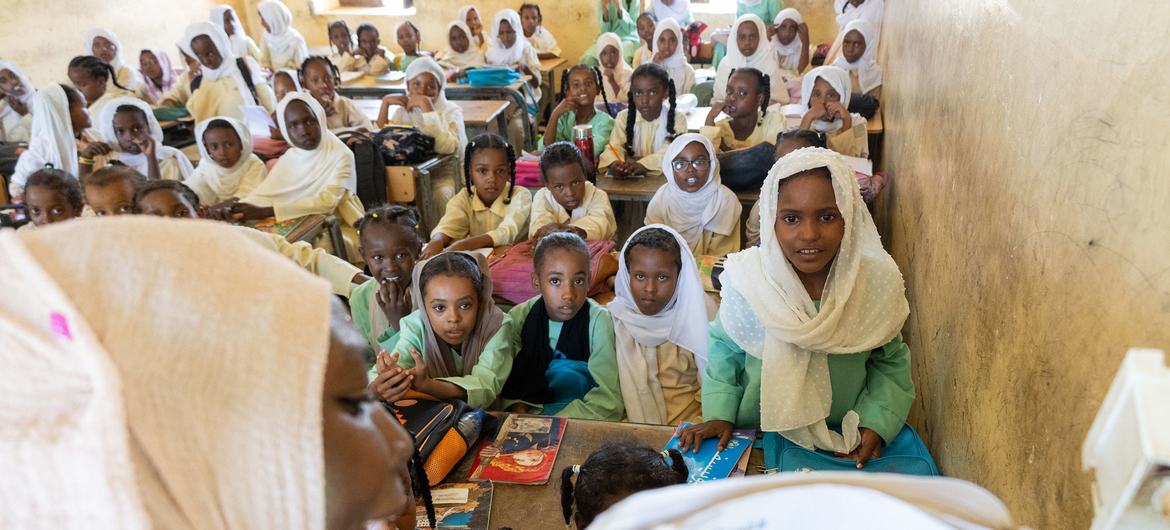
(1028, 212)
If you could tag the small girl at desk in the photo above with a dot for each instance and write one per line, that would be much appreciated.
(104, 44)
(749, 47)
(460, 53)
(643, 131)
(646, 25)
(320, 78)
(227, 167)
(341, 45)
(409, 39)
(158, 77)
(93, 78)
(858, 57)
(826, 110)
(225, 18)
(749, 121)
(541, 39)
(790, 43)
(508, 50)
(568, 201)
(580, 87)
(371, 57)
(615, 72)
(59, 117)
(469, 15)
(694, 201)
(390, 246)
(668, 52)
(130, 123)
(226, 85)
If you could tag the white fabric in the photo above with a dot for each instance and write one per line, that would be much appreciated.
(542, 41)
(871, 10)
(408, 24)
(637, 336)
(239, 41)
(134, 397)
(225, 182)
(659, 132)
(292, 74)
(680, 12)
(476, 41)
(764, 60)
(839, 80)
(622, 73)
(228, 68)
(449, 112)
(105, 125)
(284, 42)
(863, 307)
(472, 57)
(497, 54)
(713, 207)
(29, 90)
(8, 116)
(869, 73)
(676, 65)
(788, 55)
(51, 138)
(118, 61)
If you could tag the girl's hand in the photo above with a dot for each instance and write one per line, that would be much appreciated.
(380, 51)
(422, 103)
(772, 30)
(146, 144)
(223, 210)
(17, 105)
(393, 381)
(716, 108)
(431, 249)
(242, 211)
(837, 111)
(395, 99)
(660, 57)
(802, 32)
(564, 106)
(634, 168)
(870, 447)
(422, 380)
(394, 301)
(93, 149)
(462, 244)
(692, 437)
(815, 112)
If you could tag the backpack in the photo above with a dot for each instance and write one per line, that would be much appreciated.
(443, 431)
(404, 146)
(369, 166)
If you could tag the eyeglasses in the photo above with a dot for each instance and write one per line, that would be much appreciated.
(699, 164)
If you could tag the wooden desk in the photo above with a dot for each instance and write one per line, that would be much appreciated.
(548, 65)
(305, 228)
(422, 176)
(631, 197)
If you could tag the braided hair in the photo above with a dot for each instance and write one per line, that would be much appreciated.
(763, 83)
(421, 486)
(596, 78)
(366, 26)
(339, 23)
(658, 72)
(613, 472)
(320, 59)
(94, 67)
(490, 141)
(392, 215)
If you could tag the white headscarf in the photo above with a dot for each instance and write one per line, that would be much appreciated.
(472, 57)
(623, 72)
(788, 54)
(51, 137)
(676, 64)
(713, 207)
(475, 41)
(238, 39)
(871, 10)
(118, 62)
(138, 161)
(682, 322)
(228, 69)
(292, 74)
(301, 173)
(767, 311)
(29, 90)
(450, 112)
(225, 181)
(284, 41)
(839, 80)
(680, 12)
(497, 54)
(762, 59)
(869, 73)
(132, 399)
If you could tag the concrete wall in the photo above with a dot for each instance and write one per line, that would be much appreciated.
(1028, 147)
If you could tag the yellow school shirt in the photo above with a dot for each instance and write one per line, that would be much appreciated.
(333, 269)
(376, 65)
(594, 216)
(179, 93)
(467, 216)
(346, 115)
(678, 374)
(651, 155)
(222, 98)
(767, 127)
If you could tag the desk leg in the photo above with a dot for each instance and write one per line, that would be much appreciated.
(630, 216)
(423, 199)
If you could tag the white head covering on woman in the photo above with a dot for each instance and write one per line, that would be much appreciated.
(238, 40)
(27, 85)
(235, 181)
(449, 112)
(871, 10)
(283, 40)
(763, 59)
(228, 69)
(131, 400)
(104, 33)
(138, 161)
(676, 64)
(497, 54)
(767, 311)
(622, 72)
(839, 80)
(51, 138)
(713, 207)
(475, 41)
(472, 57)
(683, 322)
(679, 11)
(869, 73)
(788, 55)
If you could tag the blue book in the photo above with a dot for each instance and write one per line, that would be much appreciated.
(709, 463)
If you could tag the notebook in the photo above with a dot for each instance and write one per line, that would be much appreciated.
(522, 453)
(464, 505)
(710, 463)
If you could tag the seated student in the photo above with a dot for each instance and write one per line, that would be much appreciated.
(614, 69)
(110, 190)
(635, 147)
(409, 39)
(460, 55)
(826, 110)
(660, 327)
(858, 57)
(694, 200)
(104, 44)
(91, 77)
(568, 202)
(59, 118)
(786, 142)
(749, 47)
(52, 196)
(564, 363)
(282, 45)
(869, 10)
(227, 167)
(457, 344)
(169, 198)
(491, 211)
(158, 77)
(390, 244)
(647, 24)
(270, 149)
(668, 53)
(285, 81)
(130, 123)
(749, 121)
(617, 17)
(677, 10)
(370, 56)
(508, 51)
(616, 470)
(541, 39)
(315, 176)
(830, 289)
(225, 18)
(16, 93)
(320, 78)
(580, 86)
(180, 92)
(764, 9)
(469, 15)
(341, 45)
(790, 43)
(226, 85)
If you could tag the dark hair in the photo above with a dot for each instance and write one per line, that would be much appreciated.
(94, 67)
(615, 471)
(366, 26)
(527, 5)
(812, 138)
(218, 123)
(339, 23)
(72, 96)
(657, 239)
(392, 215)
(455, 264)
(173, 185)
(330, 67)
(658, 72)
(763, 84)
(132, 108)
(556, 241)
(561, 154)
(114, 173)
(420, 484)
(648, 14)
(58, 181)
(490, 141)
(596, 77)
(417, 33)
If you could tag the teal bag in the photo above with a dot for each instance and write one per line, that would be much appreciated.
(906, 455)
(492, 76)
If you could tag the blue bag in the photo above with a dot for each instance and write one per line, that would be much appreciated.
(906, 455)
(492, 76)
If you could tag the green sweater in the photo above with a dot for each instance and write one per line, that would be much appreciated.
(602, 127)
(359, 311)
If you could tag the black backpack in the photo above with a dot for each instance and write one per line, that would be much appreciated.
(370, 168)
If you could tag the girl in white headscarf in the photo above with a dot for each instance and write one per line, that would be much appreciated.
(826, 110)
(871, 10)
(469, 15)
(677, 10)
(792, 58)
(16, 94)
(660, 327)
(461, 52)
(615, 71)
(224, 89)
(694, 200)
(673, 59)
(519, 55)
(59, 116)
(816, 311)
(146, 135)
(213, 181)
(104, 44)
(225, 18)
(282, 45)
(760, 57)
(865, 75)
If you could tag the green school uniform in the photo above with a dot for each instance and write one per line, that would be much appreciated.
(602, 124)
(766, 10)
(876, 384)
(359, 311)
(624, 24)
(402, 62)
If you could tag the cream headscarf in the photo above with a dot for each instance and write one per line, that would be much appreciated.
(767, 311)
(713, 207)
(284, 41)
(622, 73)
(871, 10)
(226, 181)
(497, 54)
(788, 55)
(449, 112)
(118, 61)
(472, 57)
(839, 80)
(135, 395)
(476, 42)
(228, 69)
(679, 11)
(51, 138)
(764, 59)
(29, 90)
(138, 161)
(869, 73)
(683, 322)
(676, 64)
(238, 39)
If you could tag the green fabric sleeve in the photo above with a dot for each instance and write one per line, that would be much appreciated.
(487, 378)
(885, 402)
(359, 309)
(722, 391)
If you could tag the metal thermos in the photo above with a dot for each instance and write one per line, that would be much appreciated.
(583, 139)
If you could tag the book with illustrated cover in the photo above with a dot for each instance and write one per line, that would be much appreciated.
(465, 505)
(711, 464)
(710, 267)
(522, 453)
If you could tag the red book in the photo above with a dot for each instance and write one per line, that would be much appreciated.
(524, 451)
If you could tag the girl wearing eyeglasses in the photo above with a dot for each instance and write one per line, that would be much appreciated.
(694, 201)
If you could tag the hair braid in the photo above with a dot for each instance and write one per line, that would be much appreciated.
(601, 85)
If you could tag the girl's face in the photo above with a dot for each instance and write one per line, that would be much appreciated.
(809, 226)
(10, 84)
(317, 78)
(645, 29)
(79, 115)
(47, 205)
(91, 87)
(583, 87)
(490, 174)
(229, 24)
(610, 57)
(743, 95)
(692, 167)
(114, 198)
(224, 146)
(339, 37)
(649, 92)
(668, 43)
(368, 41)
(304, 130)
(653, 278)
(390, 251)
(853, 46)
(452, 306)
(282, 84)
(787, 31)
(563, 282)
(206, 52)
(458, 40)
(193, 66)
(408, 40)
(473, 22)
(822, 93)
(747, 38)
(423, 84)
(507, 34)
(149, 66)
(104, 49)
(165, 202)
(529, 20)
(130, 126)
(566, 182)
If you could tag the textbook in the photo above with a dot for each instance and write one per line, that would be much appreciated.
(522, 453)
(464, 505)
(710, 464)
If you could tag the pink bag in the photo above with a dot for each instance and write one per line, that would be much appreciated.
(528, 173)
(512, 272)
